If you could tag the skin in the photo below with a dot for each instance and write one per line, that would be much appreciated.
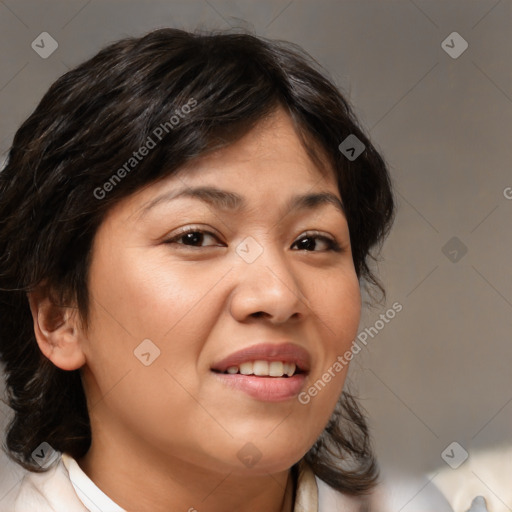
(166, 436)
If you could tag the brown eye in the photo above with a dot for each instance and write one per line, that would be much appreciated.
(311, 242)
(192, 238)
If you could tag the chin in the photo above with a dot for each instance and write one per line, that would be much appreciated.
(267, 460)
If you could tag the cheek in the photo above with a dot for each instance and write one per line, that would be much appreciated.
(151, 297)
(337, 304)
(137, 299)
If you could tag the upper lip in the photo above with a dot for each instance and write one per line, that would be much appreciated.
(285, 352)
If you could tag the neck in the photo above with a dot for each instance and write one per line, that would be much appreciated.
(174, 484)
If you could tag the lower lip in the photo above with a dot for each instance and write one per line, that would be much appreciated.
(266, 389)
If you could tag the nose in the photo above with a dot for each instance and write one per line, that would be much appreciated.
(268, 288)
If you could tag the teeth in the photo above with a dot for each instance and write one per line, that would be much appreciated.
(246, 368)
(260, 368)
(264, 368)
(289, 369)
(276, 369)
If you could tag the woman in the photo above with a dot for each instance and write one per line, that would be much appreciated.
(185, 223)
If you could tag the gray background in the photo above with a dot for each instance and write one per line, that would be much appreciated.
(440, 370)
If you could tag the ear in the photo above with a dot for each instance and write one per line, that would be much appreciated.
(56, 329)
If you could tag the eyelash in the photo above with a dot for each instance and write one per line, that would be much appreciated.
(332, 244)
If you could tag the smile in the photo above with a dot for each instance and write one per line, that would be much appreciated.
(265, 369)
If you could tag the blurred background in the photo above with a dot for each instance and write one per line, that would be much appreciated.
(431, 83)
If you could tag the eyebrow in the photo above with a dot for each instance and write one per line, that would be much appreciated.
(230, 201)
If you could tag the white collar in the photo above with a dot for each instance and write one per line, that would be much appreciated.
(312, 494)
(88, 492)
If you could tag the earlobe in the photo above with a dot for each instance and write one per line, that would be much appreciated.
(56, 331)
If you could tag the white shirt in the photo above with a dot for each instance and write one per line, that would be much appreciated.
(66, 488)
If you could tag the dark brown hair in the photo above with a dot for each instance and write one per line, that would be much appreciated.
(59, 183)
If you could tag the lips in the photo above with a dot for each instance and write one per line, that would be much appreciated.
(267, 372)
(284, 352)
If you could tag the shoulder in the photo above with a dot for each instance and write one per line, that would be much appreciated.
(50, 491)
(484, 473)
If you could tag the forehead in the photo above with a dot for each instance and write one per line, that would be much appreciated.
(270, 155)
(268, 162)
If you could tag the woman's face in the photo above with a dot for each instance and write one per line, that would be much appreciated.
(258, 277)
